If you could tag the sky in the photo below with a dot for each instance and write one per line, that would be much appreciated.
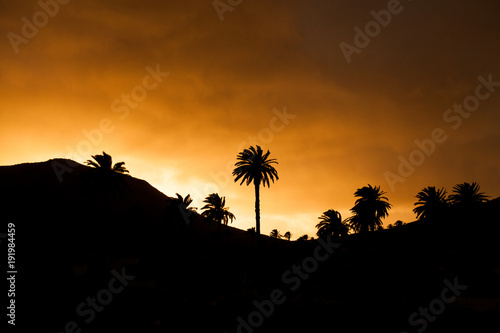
(401, 95)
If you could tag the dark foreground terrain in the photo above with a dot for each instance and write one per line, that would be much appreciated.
(129, 262)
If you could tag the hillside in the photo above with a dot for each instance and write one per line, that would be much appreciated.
(70, 243)
(60, 180)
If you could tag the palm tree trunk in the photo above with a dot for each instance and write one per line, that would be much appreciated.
(257, 208)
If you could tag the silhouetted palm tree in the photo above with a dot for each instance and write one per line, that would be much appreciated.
(106, 177)
(184, 202)
(432, 204)
(399, 223)
(179, 209)
(287, 235)
(254, 166)
(215, 210)
(369, 209)
(331, 224)
(467, 196)
(467, 202)
(275, 233)
(303, 238)
(104, 163)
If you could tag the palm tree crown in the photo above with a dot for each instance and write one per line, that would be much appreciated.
(331, 224)
(467, 195)
(105, 177)
(183, 203)
(255, 166)
(104, 163)
(369, 209)
(432, 204)
(179, 208)
(275, 234)
(215, 209)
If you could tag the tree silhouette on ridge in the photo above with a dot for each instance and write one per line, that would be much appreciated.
(369, 209)
(255, 166)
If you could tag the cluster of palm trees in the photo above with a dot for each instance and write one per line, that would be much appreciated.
(396, 224)
(276, 234)
(253, 166)
(434, 205)
(370, 208)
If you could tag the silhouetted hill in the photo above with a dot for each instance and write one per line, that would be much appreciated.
(59, 180)
(69, 238)
(186, 275)
(58, 184)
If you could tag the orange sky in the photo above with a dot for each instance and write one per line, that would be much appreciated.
(227, 82)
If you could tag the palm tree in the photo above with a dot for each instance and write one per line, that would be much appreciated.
(467, 202)
(432, 204)
(254, 166)
(106, 177)
(104, 163)
(369, 209)
(179, 208)
(183, 203)
(398, 223)
(467, 196)
(303, 238)
(331, 224)
(215, 210)
(287, 235)
(275, 234)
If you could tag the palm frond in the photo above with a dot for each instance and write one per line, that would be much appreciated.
(254, 166)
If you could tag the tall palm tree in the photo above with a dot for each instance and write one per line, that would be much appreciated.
(255, 166)
(331, 224)
(432, 204)
(106, 177)
(275, 234)
(287, 235)
(369, 209)
(215, 210)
